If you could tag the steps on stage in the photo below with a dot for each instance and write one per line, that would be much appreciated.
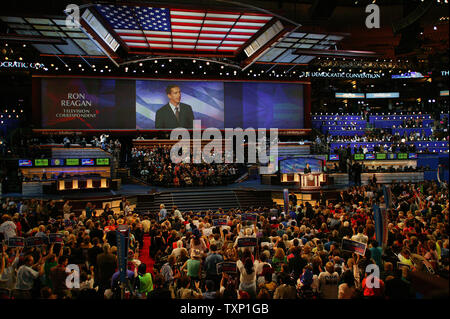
(203, 200)
(254, 198)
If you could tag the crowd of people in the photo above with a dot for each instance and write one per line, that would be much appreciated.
(378, 148)
(384, 135)
(298, 253)
(385, 140)
(413, 123)
(154, 166)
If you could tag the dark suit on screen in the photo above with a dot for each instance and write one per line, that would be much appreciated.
(166, 119)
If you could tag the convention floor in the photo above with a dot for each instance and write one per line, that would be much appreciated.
(134, 189)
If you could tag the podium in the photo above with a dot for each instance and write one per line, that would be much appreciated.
(311, 181)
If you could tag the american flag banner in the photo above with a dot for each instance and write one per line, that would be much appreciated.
(179, 29)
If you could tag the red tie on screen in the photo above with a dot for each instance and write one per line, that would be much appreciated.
(177, 113)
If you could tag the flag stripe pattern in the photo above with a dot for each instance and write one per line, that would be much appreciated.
(174, 29)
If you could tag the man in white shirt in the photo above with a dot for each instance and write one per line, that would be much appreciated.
(177, 213)
(26, 276)
(360, 237)
(8, 228)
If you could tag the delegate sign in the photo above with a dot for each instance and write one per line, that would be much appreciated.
(247, 242)
(226, 267)
(220, 222)
(354, 247)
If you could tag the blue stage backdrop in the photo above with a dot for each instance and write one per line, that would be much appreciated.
(264, 105)
(205, 98)
(292, 165)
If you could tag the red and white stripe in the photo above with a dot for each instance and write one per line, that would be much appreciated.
(199, 30)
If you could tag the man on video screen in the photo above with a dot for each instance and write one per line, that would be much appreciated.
(174, 114)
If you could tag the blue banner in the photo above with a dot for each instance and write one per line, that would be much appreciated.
(378, 224)
(122, 233)
(387, 196)
(286, 200)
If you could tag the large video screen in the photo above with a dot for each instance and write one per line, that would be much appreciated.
(88, 104)
(197, 100)
(82, 103)
(264, 105)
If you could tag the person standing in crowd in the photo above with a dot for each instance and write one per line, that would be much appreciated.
(26, 276)
(328, 282)
(211, 262)
(106, 264)
(7, 228)
(162, 213)
(67, 210)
